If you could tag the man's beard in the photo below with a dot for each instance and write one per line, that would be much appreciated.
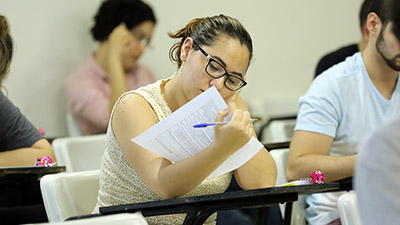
(380, 48)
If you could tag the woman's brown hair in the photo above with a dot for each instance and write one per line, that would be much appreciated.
(6, 48)
(205, 31)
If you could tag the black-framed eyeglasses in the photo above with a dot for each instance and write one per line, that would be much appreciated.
(216, 70)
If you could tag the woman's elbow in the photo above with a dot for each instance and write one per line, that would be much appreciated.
(258, 183)
(168, 193)
(164, 195)
(45, 149)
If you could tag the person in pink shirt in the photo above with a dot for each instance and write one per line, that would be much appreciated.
(124, 29)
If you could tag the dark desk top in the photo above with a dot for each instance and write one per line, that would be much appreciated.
(224, 201)
(38, 170)
(346, 184)
(14, 173)
(276, 145)
(20, 196)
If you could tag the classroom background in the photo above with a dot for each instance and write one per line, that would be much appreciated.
(52, 39)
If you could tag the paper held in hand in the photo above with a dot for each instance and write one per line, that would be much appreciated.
(174, 137)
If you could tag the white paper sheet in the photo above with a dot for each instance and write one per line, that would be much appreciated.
(174, 138)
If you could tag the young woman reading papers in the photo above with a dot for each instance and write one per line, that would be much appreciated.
(212, 51)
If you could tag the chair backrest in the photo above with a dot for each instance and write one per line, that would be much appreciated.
(72, 126)
(347, 204)
(80, 153)
(278, 130)
(120, 219)
(69, 194)
(298, 211)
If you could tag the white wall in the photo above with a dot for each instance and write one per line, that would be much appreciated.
(52, 39)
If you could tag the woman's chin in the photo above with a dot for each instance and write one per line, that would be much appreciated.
(129, 67)
(130, 63)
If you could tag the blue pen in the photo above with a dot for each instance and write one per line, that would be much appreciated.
(201, 125)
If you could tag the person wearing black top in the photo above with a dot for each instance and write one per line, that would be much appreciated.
(20, 142)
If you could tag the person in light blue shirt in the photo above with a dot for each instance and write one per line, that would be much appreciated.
(342, 106)
(377, 179)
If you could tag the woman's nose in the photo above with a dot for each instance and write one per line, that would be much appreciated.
(218, 82)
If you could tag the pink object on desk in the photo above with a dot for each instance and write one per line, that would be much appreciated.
(317, 177)
(45, 161)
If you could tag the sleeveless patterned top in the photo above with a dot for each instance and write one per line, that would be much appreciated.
(120, 184)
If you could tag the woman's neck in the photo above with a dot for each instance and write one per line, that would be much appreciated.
(100, 56)
(173, 93)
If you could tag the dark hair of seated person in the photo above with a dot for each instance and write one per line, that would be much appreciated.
(114, 12)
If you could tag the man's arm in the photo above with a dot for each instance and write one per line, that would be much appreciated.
(309, 152)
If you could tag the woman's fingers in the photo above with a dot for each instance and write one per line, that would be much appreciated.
(232, 101)
(220, 115)
(240, 117)
(120, 35)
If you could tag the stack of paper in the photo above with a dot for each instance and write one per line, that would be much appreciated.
(174, 138)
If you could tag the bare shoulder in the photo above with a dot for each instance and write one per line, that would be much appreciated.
(133, 115)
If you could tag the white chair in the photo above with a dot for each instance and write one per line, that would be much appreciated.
(72, 126)
(120, 219)
(80, 153)
(69, 194)
(298, 211)
(347, 204)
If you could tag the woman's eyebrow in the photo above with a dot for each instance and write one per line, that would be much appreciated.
(220, 60)
(224, 64)
(239, 74)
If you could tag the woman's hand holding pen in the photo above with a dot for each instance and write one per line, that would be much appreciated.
(235, 134)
